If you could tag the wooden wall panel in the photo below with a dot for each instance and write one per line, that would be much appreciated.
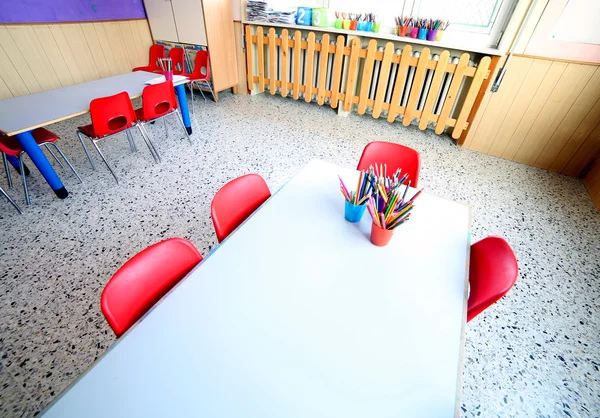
(592, 183)
(546, 113)
(41, 57)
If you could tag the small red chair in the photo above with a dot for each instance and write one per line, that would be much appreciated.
(493, 271)
(199, 77)
(144, 280)
(395, 156)
(156, 52)
(177, 55)
(111, 115)
(237, 200)
(158, 102)
(10, 145)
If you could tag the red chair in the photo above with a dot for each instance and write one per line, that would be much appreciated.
(156, 52)
(395, 156)
(177, 55)
(158, 102)
(493, 271)
(237, 200)
(198, 76)
(144, 280)
(10, 145)
(111, 115)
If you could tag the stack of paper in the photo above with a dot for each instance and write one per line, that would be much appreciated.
(282, 16)
(256, 10)
(162, 79)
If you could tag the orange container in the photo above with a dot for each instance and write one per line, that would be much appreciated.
(402, 30)
(380, 237)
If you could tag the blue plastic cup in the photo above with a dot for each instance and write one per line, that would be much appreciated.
(423, 33)
(354, 213)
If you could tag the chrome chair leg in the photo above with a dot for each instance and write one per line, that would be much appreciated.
(86, 150)
(66, 160)
(149, 143)
(11, 201)
(192, 94)
(183, 126)
(24, 178)
(201, 91)
(165, 125)
(54, 155)
(105, 162)
(7, 171)
(211, 90)
(131, 141)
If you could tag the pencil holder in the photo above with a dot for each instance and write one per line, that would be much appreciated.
(380, 237)
(346, 24)
(414, 32)
(402, 30)
(432, 34)
(168, 75)
(353, 213)
(423, 33)
(319, 17)
(440, 35)
(376, 26)
(304, 16)
(353, 24)
(338, 23)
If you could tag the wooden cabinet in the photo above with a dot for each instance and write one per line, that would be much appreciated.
(199, 22)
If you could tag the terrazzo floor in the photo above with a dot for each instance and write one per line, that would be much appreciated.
(535, 353)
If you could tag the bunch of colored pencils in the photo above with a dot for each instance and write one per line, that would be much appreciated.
(404, 21)
(393, 209)
(166, 64)
(364, 189)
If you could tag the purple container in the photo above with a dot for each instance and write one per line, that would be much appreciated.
(432, 34)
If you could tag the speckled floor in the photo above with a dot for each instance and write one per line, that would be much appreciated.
(535, 353)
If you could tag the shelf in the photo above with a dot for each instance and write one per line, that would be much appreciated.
(385, 36)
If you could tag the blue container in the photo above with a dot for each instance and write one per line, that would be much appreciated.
(423, 33)
(354, 213)
(304, 16)
(369, 27)
(362, 26)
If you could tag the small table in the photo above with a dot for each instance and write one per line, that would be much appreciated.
(20, 115)
(297, 314)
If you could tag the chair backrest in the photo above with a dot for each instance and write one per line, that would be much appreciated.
(158, 100)
(395, 156)
(202, 62)
(144, 280)
(237, 200)
(156, 51)
(493, 271)
(112, 114)
(177, 55)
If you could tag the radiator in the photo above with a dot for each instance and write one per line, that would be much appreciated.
(409, 84)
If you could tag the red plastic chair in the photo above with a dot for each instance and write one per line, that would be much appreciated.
(112, 115)
(156, 52)
(199, 77)
(177, 55)
(144, 280)
(395, 156)
(10, 145)
(158, 101)
(493, 271)
(237, 200)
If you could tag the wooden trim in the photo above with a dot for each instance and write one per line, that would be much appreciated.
(556, 59)
(69, 23)
(482, 91)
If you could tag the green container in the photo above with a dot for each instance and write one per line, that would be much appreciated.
(319, 17)
(376, 26)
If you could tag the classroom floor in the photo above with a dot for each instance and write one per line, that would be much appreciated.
(535, 353)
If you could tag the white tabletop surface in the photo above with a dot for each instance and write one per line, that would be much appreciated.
(297, 314)
(23, 113)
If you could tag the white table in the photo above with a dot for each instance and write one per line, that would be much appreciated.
(297, 314)
(20, 115)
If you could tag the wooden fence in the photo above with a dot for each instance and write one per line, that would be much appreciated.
(403, 85)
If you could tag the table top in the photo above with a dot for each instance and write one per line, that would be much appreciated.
(24, 113)
(297, 314)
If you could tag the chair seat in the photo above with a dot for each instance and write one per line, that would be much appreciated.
(196, 77)
(87, 130)
(140, 115)
(10, 145)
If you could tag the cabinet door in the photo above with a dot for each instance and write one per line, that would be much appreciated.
(162, 23)
(189, 18)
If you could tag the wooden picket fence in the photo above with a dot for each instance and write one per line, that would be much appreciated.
(344, 73)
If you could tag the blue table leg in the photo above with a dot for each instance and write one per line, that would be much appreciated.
(183, 107)
(41, 162)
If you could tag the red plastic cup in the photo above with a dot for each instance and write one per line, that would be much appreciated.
(353, 24)
(380, 237)
(402, 30)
